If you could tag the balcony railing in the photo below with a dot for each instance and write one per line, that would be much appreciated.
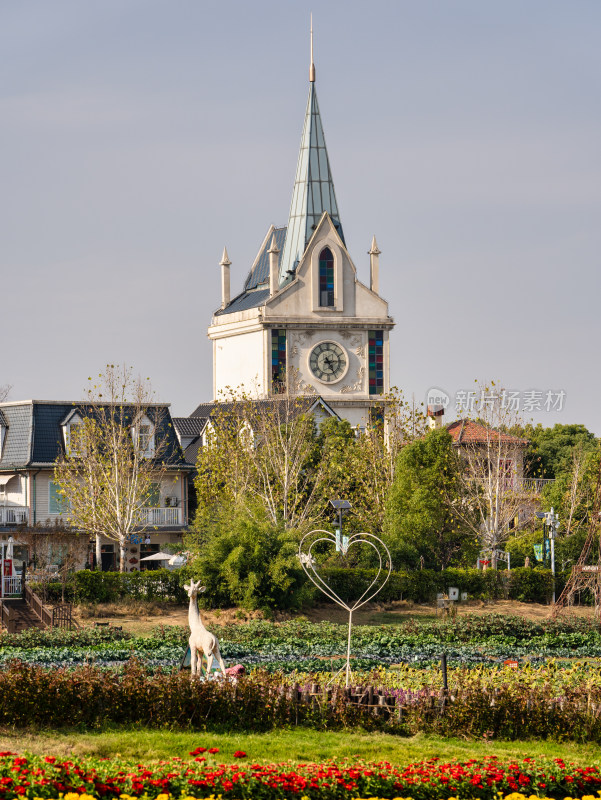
(162, 517)
(534, 485)
(13, 515)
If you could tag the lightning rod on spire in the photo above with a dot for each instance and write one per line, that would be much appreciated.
(312, 67)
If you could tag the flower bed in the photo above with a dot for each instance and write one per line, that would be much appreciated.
(490, 779)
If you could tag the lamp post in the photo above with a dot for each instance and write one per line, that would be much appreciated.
(551, 520)
(342, 507)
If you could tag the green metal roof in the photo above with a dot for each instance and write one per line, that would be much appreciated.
(313, 191)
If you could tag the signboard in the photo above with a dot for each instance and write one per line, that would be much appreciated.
(538, 551)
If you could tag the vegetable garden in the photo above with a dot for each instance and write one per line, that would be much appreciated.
(299, 646)
(105, 676)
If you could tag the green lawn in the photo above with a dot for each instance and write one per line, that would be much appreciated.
(295, 745)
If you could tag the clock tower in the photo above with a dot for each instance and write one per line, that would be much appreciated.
(304, 323)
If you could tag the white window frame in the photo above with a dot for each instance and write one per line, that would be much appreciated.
(74, 421)
(136, 432)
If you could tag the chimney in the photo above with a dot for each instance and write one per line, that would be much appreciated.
(435, 416)
(374, 267)
(225, 265)
(274, 266)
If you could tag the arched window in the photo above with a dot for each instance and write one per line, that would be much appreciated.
(326, 278)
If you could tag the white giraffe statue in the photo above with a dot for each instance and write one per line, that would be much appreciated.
(201, 640)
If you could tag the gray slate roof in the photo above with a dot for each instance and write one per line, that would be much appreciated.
(255, 290)
(34, 436)
(301, 403)
(260, 271)
(244, 301)
(188, 426)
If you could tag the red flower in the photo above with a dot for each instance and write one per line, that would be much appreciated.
(213, 750)
(198, 751)
(239, 754)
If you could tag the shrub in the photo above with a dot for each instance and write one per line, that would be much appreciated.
(422, 586)
(87, 696)
(88, 586)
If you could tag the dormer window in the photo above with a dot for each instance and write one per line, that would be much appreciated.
(3, 429)
(326, 278)
(72, 434)
(143, 436)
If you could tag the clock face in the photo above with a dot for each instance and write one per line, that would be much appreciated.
(328, 362)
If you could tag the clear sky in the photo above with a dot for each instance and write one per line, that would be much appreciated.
(140, 136)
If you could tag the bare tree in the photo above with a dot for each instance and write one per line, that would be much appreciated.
(367, 467)
(56, 547)
(491, 479)
(262, 452)
(114, 459)
(4, 392)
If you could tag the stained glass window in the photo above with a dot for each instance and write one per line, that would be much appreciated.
(376, 418)
(278, 360)
(326, 278)
(376, 362)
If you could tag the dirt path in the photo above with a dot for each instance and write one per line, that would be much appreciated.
(141, 618)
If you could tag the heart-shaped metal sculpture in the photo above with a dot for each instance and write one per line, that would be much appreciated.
(343, 544)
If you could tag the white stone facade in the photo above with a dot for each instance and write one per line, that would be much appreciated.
(242, 340)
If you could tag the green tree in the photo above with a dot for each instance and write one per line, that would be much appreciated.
(244, 559)
(551, 449)
(421, 510)
(572, 496)
(360, 465)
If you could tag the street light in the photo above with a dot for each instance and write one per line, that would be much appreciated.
(551, 520)
(342, 507)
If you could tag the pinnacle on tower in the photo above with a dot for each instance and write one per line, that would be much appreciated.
(225, 265)
(374, 251)
(225, 259)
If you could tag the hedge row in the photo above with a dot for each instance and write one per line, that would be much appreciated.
(89, 586)
(422, 586)
(89, 697)
(526, 585)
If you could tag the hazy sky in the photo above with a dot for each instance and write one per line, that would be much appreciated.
(140, 136)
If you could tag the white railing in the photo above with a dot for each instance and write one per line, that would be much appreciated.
(12, 585)
(534, 485)
(13, 515)
(162, 516)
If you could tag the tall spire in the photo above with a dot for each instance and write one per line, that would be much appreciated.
(313, 191)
